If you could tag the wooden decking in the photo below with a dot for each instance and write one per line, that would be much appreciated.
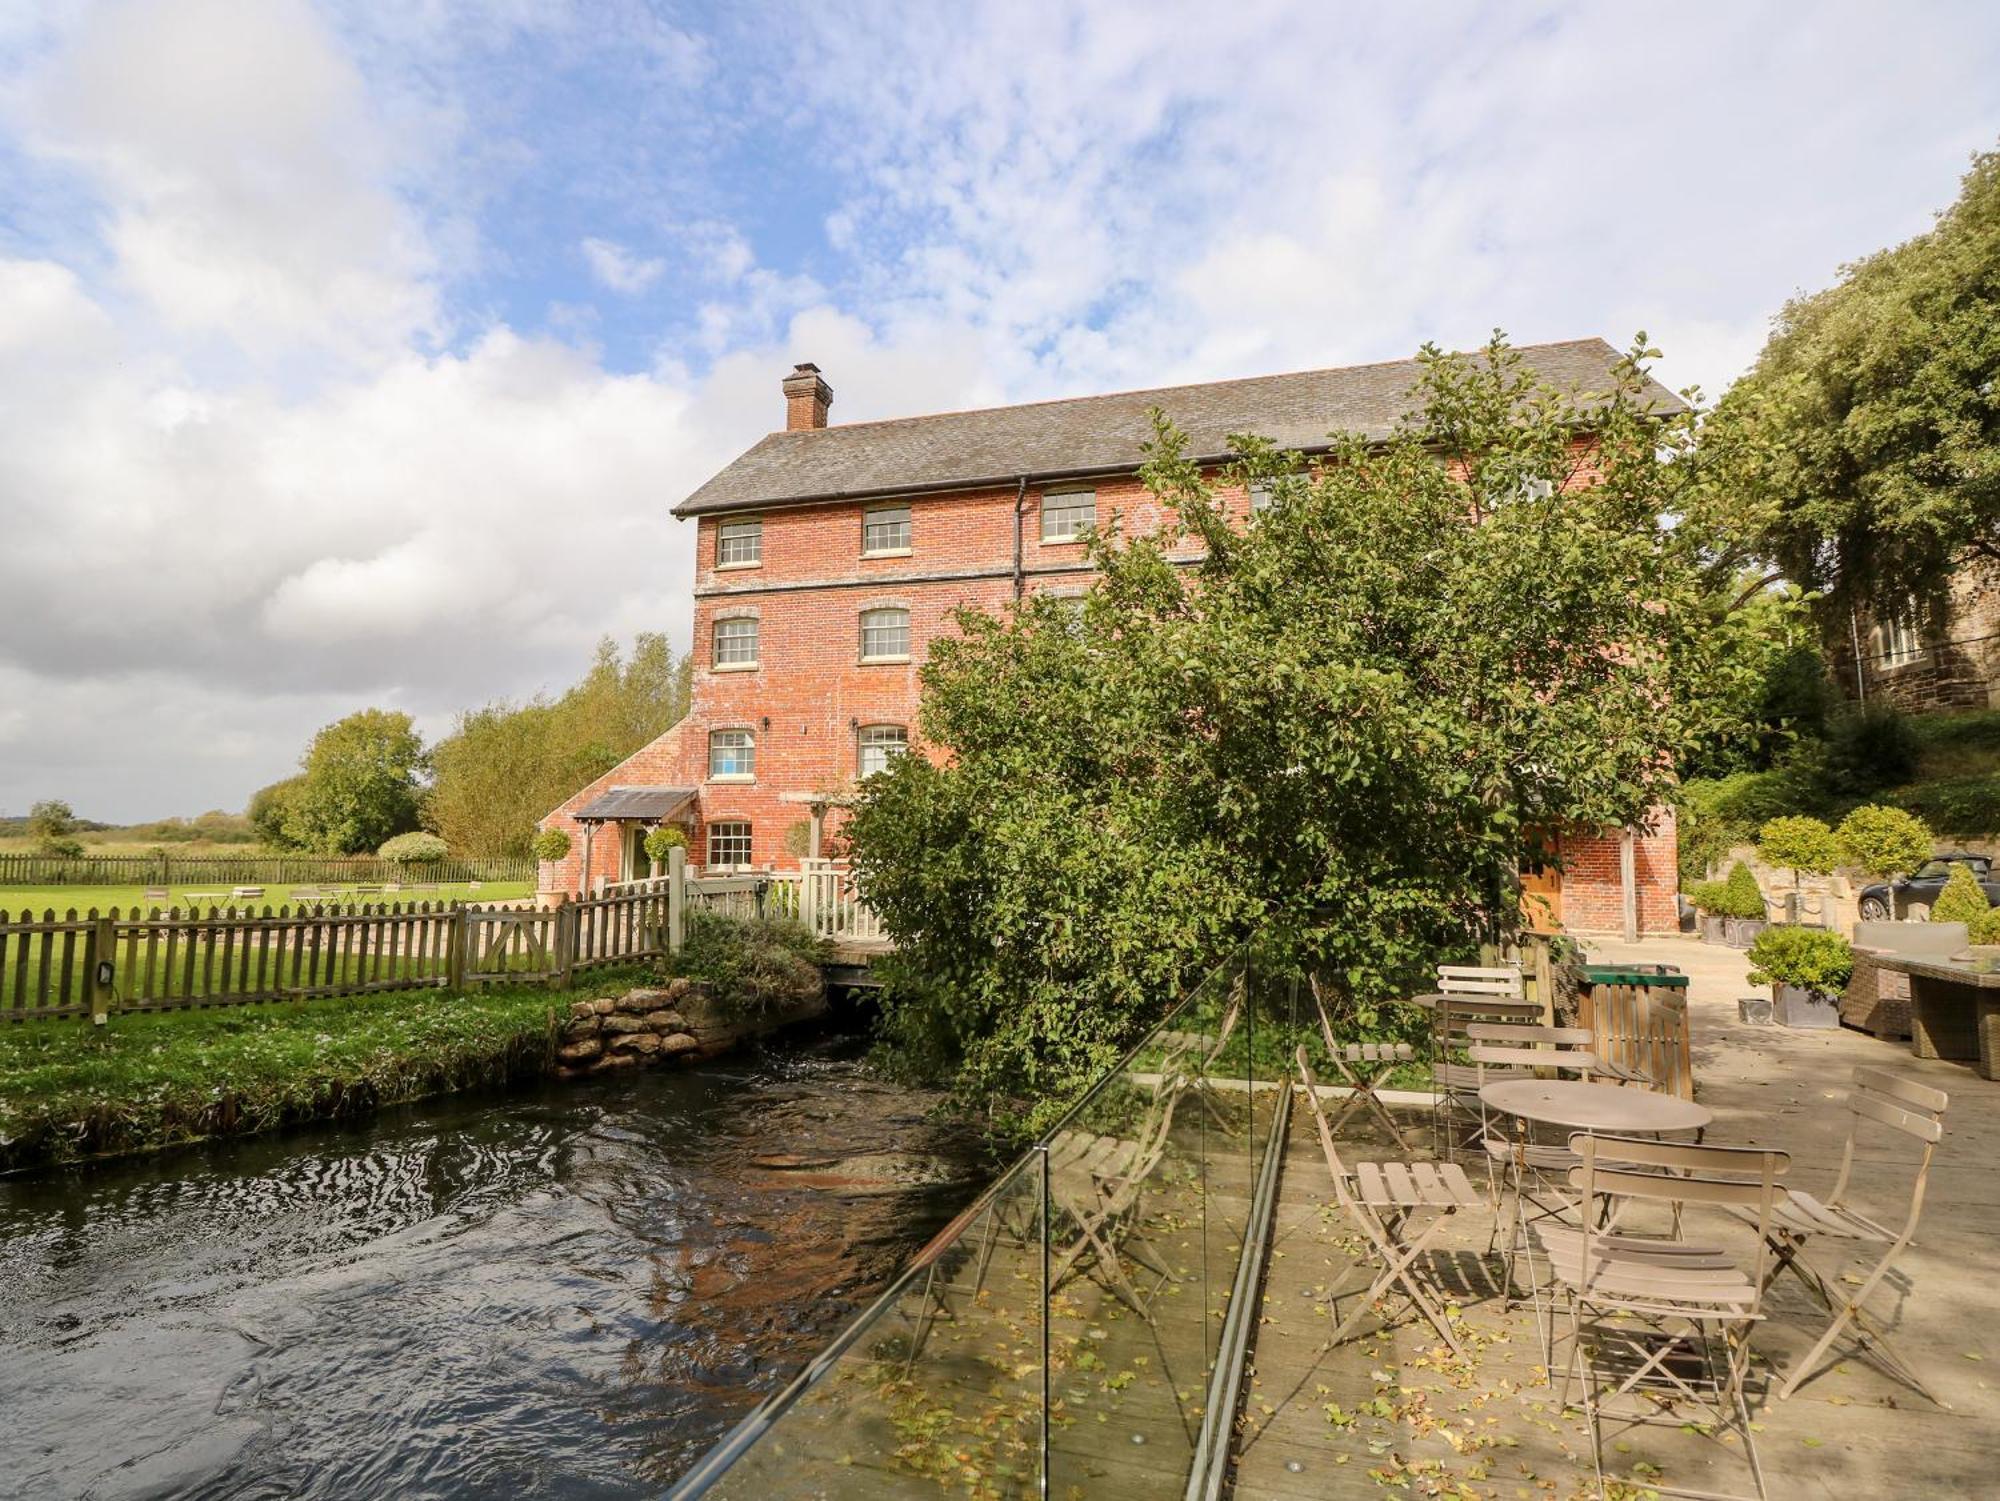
(1387, 1414)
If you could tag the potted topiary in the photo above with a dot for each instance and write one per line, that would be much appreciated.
(1743, 906)
(1708, 901)
(1807, 969)
(1984, 931)
(550, 845)
(1961, 900)
(1804, 846)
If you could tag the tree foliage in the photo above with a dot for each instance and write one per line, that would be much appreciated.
(359, 785)
(504, 766)
(1341, 728)
(1883, 841)
(1800, 843)
(1866, 440)
(1814, 959)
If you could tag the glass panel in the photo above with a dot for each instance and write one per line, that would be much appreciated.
(729, 844)
(886, 529)
(885, 633)
(739, 542)
(1064, 516)
(735, 640)
(879, 742)
(732, 753)
(938, 1390)
(1137, 1172)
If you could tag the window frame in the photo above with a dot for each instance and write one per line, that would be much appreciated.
(899, 550)
(722, 538)
(747, 838)
(748, 745)
(879, 656)
(1056, 502)
(718, 662)
(1263, 495)
(862, 746)
(1902, 644)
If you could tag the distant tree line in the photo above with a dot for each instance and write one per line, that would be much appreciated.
(368, 778)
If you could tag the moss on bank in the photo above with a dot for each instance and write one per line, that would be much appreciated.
(70, 1090)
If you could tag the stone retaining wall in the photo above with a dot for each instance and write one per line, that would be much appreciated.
(679, 1020)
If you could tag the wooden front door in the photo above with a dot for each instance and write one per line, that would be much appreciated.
(1542, 897)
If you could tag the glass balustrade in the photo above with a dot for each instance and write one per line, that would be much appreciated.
(1061, 1337)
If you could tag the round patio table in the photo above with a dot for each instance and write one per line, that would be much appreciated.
(1605, 1108)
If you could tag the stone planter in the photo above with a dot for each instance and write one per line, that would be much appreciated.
(1798, 1007)
(1714, 929)
(1755, 1010)
(1743, 931)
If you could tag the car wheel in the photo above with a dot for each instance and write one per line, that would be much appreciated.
(1874, 909)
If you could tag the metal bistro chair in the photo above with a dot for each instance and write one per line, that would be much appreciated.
(1364, 1065)
(1654, 1319)
(1386, 1201)
(1466, 995)
(1878, 1099)
(1536, 1172)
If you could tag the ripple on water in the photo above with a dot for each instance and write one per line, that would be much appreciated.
(568, 1294)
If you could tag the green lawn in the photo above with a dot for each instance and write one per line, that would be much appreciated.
(70, 1090)
(14, 900)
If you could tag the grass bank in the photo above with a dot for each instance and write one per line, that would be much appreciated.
(70, 1091)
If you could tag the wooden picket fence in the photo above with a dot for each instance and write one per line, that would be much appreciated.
(245, 870)
(90, 964)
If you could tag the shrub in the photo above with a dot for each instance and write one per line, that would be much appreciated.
(59, 847)
(664, 840)
(1985, 928)
(413, 849)
(1957, 807)
(1799, 843)
(1961, 900)
(1869, 749)
(551, 844)
(752, 968)
(1814, 959)
(1883, 841)
(1708, 898)
(1741, 895)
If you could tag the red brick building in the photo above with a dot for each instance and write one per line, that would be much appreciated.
(830, 556)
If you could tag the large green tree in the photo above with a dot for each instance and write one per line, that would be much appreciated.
(505, 765)
(1340, 729)
(1874, 415)
(359, 785)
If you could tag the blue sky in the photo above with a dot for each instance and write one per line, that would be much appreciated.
(354, 353)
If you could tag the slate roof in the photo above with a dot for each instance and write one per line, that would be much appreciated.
(647, 804)
(1098, 434)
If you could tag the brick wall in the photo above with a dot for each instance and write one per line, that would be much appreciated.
(810, 693)
(1593, 892)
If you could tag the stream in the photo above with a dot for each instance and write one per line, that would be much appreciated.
(566, 1292)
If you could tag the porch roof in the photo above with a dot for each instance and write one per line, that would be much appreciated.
(646, 804)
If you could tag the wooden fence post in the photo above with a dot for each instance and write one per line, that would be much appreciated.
(454, 978)
(676, 898)
(566, 944)
(1545, 980)
(100, 948)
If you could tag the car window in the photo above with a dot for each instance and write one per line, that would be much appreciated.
(1931, 869)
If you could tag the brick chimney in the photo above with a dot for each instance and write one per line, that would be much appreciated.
(806, 398)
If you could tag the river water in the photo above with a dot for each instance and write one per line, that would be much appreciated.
(564, 1293)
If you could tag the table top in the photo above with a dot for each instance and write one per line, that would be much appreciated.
(1595, 1107)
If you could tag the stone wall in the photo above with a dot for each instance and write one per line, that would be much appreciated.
(677, 1021)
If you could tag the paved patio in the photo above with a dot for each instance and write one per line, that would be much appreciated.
(1391, 1412)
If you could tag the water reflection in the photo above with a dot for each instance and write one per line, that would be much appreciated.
(569, 1293)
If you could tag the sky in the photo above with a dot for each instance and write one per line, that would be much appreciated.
(355, 354)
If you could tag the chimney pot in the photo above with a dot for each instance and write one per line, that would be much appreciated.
(806, 398)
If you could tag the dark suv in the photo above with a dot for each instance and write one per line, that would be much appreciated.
(1888, 899)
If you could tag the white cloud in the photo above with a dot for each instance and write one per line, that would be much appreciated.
(618, 268)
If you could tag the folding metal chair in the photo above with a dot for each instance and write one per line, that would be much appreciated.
(1655, 1319)
(1364, 1065)
(1878, 1099)
(1536, 1172)
(1466, 995)
(1399, 1207)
